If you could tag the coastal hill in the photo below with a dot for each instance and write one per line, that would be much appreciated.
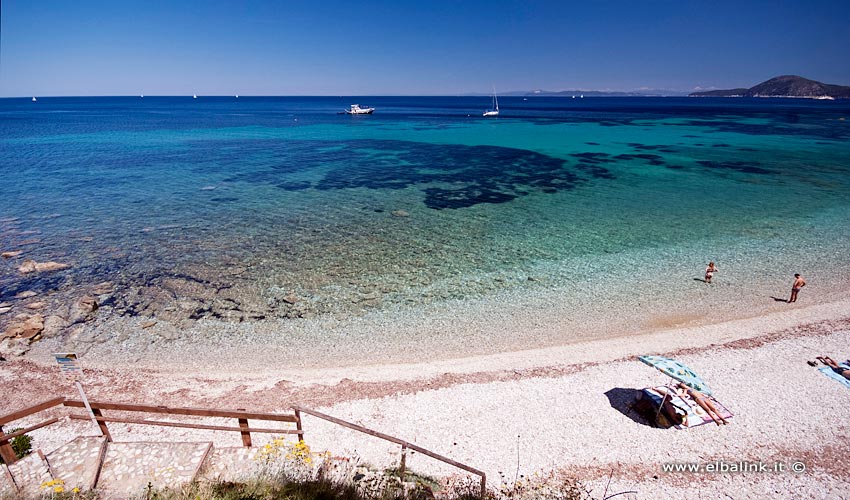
(784, 86)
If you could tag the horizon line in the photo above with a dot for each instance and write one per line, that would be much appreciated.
(235, 96)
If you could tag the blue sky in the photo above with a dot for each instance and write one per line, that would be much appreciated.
(400, 47)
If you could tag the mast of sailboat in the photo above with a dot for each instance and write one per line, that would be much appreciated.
(495, 99)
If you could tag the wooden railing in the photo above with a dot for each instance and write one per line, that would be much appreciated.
(99, 407)
(6, 450)
(404, 445)
(242, 417)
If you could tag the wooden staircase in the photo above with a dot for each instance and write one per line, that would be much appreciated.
(125, 469)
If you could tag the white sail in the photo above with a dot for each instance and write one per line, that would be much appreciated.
(495, 110)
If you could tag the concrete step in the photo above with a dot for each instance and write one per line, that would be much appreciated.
(128, 468)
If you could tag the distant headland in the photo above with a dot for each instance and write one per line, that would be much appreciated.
(784, 86)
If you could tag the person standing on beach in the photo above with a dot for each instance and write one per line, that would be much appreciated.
(799, 283)
(709, 271)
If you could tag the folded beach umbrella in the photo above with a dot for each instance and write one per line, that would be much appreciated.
(678, 371)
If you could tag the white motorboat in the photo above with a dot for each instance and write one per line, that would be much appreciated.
(495, 110)
(357, 110)
(34, 99)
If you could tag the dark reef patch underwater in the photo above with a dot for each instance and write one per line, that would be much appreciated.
(450, 175)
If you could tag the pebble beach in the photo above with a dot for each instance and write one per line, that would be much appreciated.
(523, 415)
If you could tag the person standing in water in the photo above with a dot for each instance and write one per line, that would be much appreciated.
(709, 271)
(799, 283)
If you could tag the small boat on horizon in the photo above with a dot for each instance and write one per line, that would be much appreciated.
(194, 96)
(34, 99)
(357, 110)
(495, 110)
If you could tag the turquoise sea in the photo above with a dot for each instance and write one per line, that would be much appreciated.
(279, 207)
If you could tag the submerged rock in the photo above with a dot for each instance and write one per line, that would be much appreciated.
(9, 255)
(103, 288)
(25, 295)
(87, 304)
(53, 325)
(400, 213)
(31, 266)
(27, 329)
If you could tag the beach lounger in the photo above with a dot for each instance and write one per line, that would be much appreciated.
(829, 372)
(694, 415)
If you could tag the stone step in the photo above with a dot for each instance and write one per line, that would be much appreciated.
(128, 468)
(29, 474)
(231, 464)
(77, 462)
(7, 486)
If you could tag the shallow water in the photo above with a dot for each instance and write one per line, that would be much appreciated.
(258, 199)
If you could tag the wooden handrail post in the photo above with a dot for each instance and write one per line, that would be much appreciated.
(6, 450)
(246, 435)
(102, 424)
(44, 459)
(402, 465)
(298, 426)
(10, 477)
(483, 485)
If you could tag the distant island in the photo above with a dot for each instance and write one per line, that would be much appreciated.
(784, 86)
(595, 93)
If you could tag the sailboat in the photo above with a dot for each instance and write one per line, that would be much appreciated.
(495, 110)
(34, 99)
(194, 96)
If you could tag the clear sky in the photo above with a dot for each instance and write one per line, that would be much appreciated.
(401, 47)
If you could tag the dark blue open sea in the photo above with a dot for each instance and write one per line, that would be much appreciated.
(279, 207)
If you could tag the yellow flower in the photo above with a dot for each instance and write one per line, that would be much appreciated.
(76, 490)
(58, 489)
(52, 483)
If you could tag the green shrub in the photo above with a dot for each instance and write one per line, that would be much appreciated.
(21, 445)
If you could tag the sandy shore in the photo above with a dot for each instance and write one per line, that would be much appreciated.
(534, 411)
